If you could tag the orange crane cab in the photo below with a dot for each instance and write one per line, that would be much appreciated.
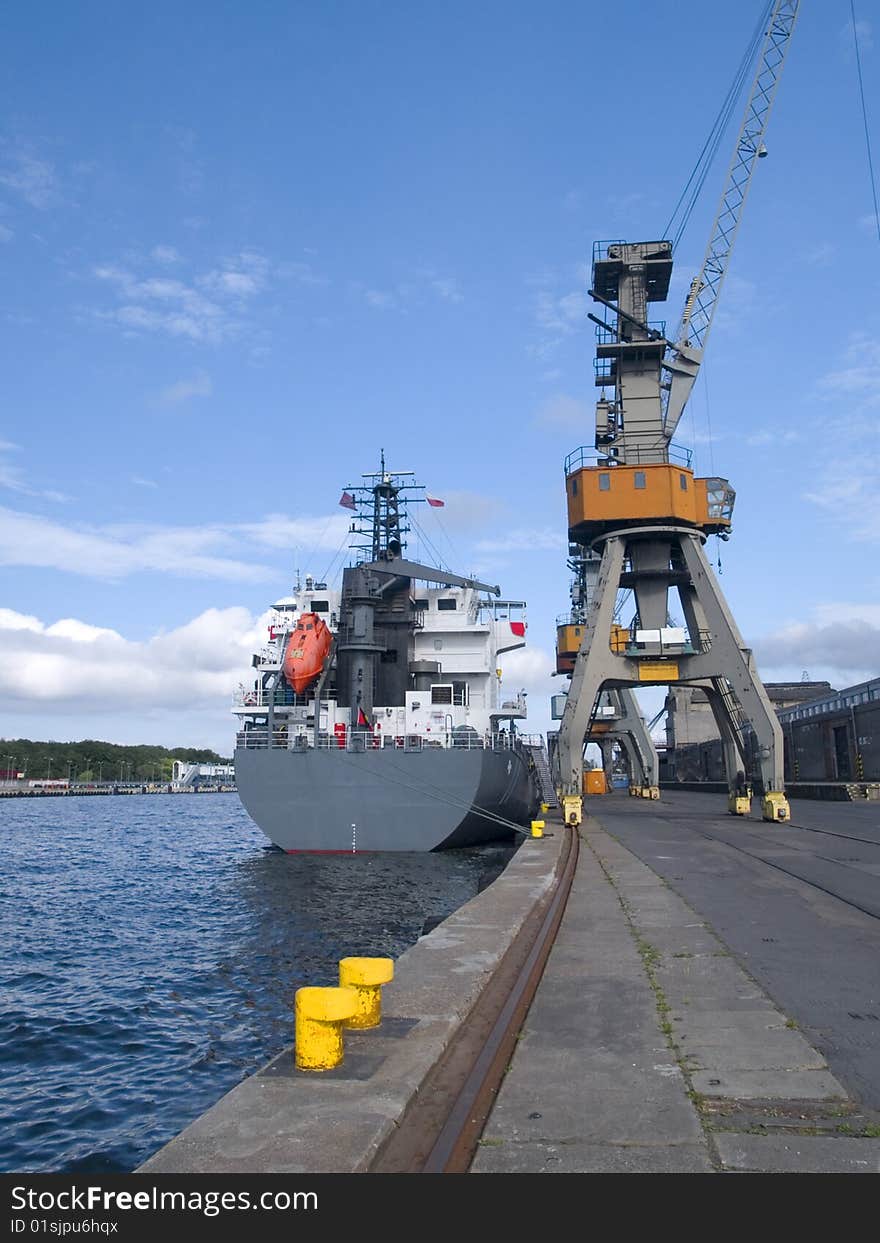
(306, 651)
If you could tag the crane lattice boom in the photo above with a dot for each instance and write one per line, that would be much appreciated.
(690, 341)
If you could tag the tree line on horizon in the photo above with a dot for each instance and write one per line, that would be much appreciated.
(92, 760)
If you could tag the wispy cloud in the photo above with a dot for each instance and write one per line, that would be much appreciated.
(558, 310)
(240, 277)
(380, 299)
(13, 477)
(778, 436)
(421, 286)
(562, 314)
(301, 271)
(165, 254)
(524, 539)
(210, 309)
(848, 494)
(865, 32)
(28, 174)
(859, 380)
(115, 551)
(821, 254)
(198, 385)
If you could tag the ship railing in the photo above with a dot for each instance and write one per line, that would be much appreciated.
(279, 697)
(366, 741)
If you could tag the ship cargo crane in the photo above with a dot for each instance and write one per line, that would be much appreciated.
(635, 500)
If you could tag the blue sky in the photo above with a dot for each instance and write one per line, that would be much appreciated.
(246, 246)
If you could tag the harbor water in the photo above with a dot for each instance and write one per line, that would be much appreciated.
(153, 948)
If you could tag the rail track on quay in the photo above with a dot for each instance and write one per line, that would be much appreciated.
(868, 907)
(439, 1132)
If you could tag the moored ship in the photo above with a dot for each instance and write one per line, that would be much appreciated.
(376, 720)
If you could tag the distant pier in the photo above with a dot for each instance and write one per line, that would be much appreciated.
(24, 789)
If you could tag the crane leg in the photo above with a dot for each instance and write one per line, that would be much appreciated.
(733, 660)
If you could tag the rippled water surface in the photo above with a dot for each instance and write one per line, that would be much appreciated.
(152, 950)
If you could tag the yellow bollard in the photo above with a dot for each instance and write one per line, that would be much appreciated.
(537, 828)
(365, 977)
(545, 807)
(320, 1013)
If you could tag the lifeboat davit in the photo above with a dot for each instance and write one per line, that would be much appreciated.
(306, 651)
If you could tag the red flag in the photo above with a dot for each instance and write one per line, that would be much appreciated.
(432, 500)
(347, 501)
(362, 719)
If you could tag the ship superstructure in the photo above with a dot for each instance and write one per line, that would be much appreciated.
(377, 718)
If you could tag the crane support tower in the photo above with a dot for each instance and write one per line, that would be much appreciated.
(635, 501)
(616, 717)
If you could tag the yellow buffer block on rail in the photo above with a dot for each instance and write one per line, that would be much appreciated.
(603, 497)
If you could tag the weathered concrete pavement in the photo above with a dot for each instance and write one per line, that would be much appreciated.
(648, 1049)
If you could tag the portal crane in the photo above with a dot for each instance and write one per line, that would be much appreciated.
(637, 503)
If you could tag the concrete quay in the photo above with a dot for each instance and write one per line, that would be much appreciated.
(282, 1120)
(650, 1045)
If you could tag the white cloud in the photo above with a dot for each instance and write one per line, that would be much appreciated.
(77, 666)
(531, 669)
(114, 552)
(198, 385)
(842, 640)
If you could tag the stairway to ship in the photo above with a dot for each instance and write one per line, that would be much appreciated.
(538, 751)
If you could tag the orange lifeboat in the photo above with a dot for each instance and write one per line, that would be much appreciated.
(306, 651)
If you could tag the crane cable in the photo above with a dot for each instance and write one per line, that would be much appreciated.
(700, 171)
(852, 9)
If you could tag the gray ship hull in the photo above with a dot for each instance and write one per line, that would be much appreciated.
(384, 800)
